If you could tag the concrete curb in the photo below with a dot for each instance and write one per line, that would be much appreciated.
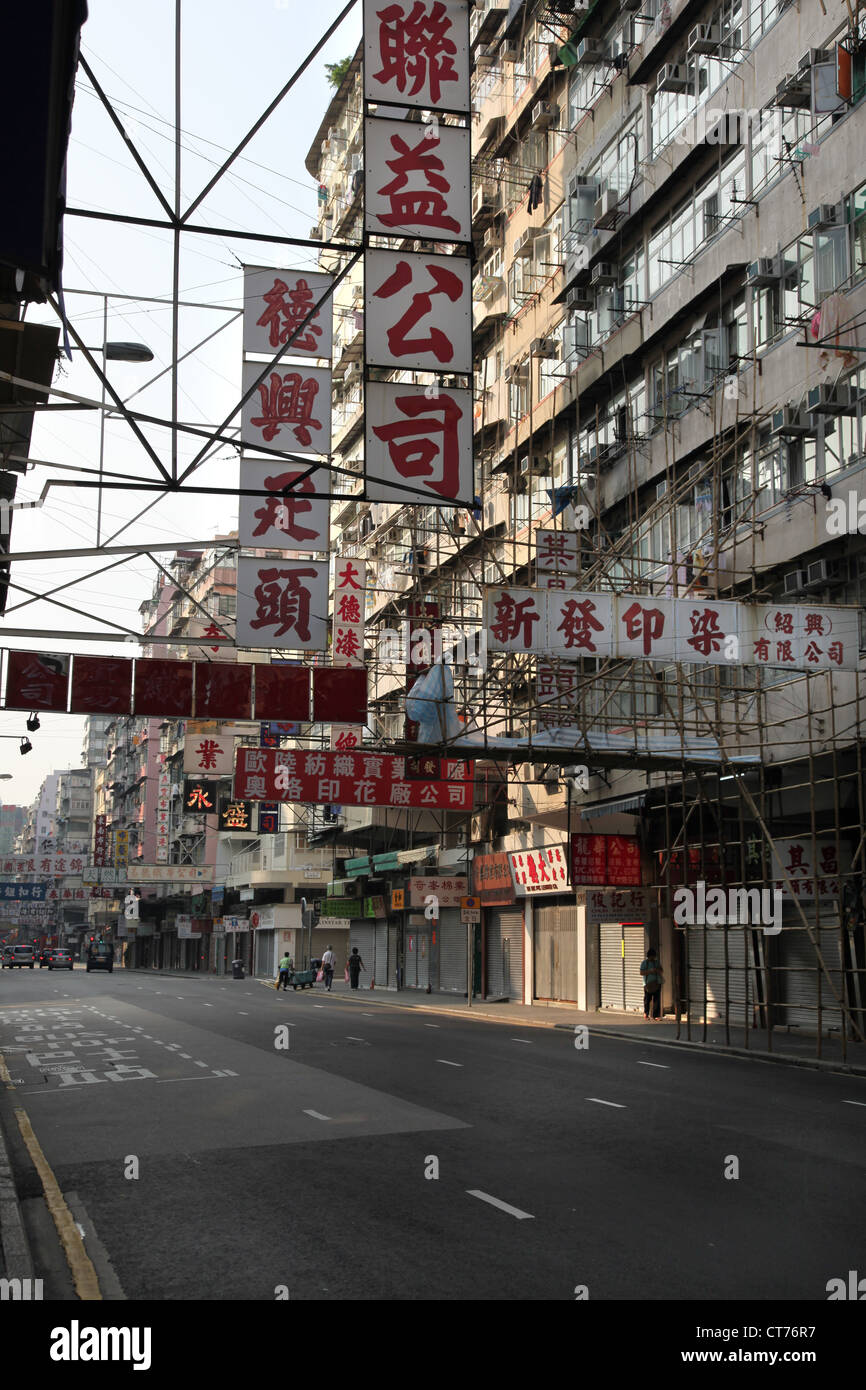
(16, 1260)
(707, 1049)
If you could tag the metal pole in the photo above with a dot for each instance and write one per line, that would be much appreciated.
(102, 418)
(469, 931)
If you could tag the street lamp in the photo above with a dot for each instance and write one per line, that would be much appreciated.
(112, 352)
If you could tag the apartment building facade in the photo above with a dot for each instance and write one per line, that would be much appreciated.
(667, 202)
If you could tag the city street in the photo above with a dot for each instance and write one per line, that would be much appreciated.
(261, 1167)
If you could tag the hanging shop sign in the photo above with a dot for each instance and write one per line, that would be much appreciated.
(282, 604)
(629, 626)
(208, 756)
(100, 841)
(47, 865)
(417, 54)
(418, 312)
(814, 867)
(236, 816)
(448, 892)
(289, 409)
(608, 860)
(287, 515)
(420, 440)
(356, 779)
(417, 180)
(540, 870)
(556, 552)
(615, 904)
(24, 892)
(276, 302)
(199, 797)
(492, 879)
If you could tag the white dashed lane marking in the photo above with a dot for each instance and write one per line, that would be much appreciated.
(446, 1063)
(854, 1102)
(612, 1103)
(660, 1065)
(316, 1116)
(503, 1206)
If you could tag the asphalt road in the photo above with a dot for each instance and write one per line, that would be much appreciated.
(261, 1165)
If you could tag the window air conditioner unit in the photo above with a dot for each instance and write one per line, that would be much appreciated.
(606, 211)
(544, 347)
(579, 299)
(833, 400)
(705, 38)
(825, 216)
(509, 52)
(794, 582)
(791, 422)
(544, 114)
(821, 572)
(590, 52)
(793, 91)
(523, 244)
(492, 238)
(673, 77)
(814, 55)
(604, 273)
(762, 272)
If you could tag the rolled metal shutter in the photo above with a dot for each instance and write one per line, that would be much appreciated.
(410, 957)
(734, 989)
(554, 933)
(800, 979)
(610, 965)
(422, 953)
(377, 968)
(452, 951)
(362, 935)
(504, 953)
(633, 980)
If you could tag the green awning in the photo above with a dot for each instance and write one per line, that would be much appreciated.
(386, 861)
(354, 867)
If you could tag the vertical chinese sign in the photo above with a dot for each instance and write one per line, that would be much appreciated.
(350, 592)
(162, 811)
(282, 602)
(418, 305)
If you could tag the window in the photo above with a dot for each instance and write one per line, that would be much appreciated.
(228, 605)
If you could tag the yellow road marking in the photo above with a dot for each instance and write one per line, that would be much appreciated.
(80, 1265)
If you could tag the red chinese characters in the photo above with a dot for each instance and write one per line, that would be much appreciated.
(514, 616)
(416, 52)
(420, 441)
(282, 605)
(418, 311)
(348, 778)
(416, 181)
(291, 515)
(289, 409)
(276, 305)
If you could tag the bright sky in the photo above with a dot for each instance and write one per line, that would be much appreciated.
(235, 58)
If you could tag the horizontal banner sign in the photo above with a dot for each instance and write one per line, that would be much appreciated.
(356, 779)
(51, 865)
(34, 891)
(147, 873)
(192, 689)
(635, 627)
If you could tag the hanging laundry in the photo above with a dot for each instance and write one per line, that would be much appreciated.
(536, 192)
(832, 326)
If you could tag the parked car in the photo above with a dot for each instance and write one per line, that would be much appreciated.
(44, 955)
(59, 959)
(18, 955)
(100, 956)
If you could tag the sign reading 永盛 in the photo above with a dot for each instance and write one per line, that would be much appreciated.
(416, 53)
(353, 779)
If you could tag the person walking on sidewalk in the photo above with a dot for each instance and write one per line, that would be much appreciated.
(356, 965)
(653, 979)
(286, 967)
(329, 960)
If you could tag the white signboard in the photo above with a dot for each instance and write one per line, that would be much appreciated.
(208, 755)
(276, 302)
(446, 891)
(280, 519)
(692, 630)
(289, 410)
(417, 181)
(183, 923)
(282, 604)
(417, 54)
(556, 552)
(418, 311)
(419, 441)
(350, 589)
(617, 904)
(810, 865)
(540, 870)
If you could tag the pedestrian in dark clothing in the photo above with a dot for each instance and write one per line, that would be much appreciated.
(653, 979)
(356, 965)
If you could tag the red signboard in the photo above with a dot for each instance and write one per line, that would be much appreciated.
(163, 687)
(339, 695)
(606, 860)
(492, 881)
(36, 680)
(101, 685)
(223, 691)
(349, 779)
(283, 693)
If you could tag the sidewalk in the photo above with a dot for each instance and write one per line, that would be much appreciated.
(794, 1048)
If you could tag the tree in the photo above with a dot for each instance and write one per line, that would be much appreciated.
(337, 71)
